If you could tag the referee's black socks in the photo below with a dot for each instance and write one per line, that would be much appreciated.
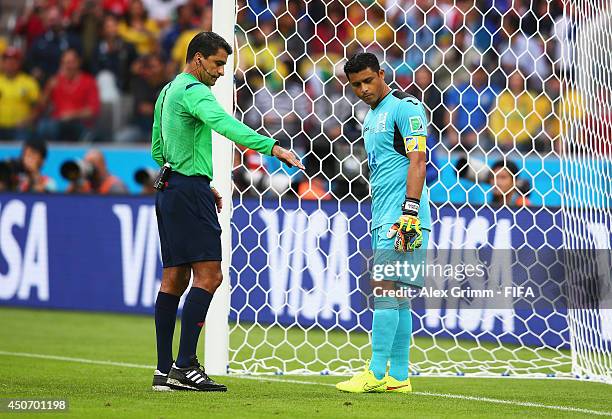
(165, 319)
(192, 319)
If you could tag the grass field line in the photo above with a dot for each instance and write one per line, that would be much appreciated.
(77, 360)
(293, 381)
(454, 396)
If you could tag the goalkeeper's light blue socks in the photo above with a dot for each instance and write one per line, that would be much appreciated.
(166, 306)
(384, 325)
(400, 352)
(192, 319)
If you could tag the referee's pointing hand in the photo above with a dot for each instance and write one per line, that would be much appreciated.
(286, 157)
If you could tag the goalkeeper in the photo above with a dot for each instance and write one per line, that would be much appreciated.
(394, 132)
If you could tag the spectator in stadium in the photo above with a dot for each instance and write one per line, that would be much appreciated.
(116, 7)
(148, 188)
(161, 11)
(314, 188)
(274, 113)
(256, 10)
(482, 30)
(508, 190)
(249, 172)
(102, 182)
(538, 19)
(295, 28)
(33, 158)
(569, 103)
(72, 11)
(332, 31)
(19, 95)
(199, 6)
(429, 93)
(454, 57)
(98, 180)
(524, 52)
(334, 114)
(114, 54)
(350, 177)
(73, 100)
(371, 28)
(87, 20)
(518, 119)
(265, 51)
(444, 60)
(184, 22)
(9, 174)
(138, 29)
(179, 50)
(31, 23)
(464, 57)
(425, 26)
(401, 67)
(564, 35)
(454, 12)
(45, 53)
(469, 104)
(149, 78)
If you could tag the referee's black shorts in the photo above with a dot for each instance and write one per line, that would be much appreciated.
(189, 229)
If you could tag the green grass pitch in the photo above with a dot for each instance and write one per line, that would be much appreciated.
(77, 341)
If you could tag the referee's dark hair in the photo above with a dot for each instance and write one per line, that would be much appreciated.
(207, 44)
(360, 62)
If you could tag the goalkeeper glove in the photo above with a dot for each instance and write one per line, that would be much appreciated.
(407, 230)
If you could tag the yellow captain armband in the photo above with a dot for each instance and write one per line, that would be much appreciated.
(415, 143)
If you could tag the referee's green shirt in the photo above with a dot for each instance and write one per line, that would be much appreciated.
(186, 112)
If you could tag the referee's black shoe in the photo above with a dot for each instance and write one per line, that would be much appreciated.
(193, 378)
(160, 381)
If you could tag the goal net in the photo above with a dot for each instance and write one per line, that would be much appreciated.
(518, 172)
(587, 180)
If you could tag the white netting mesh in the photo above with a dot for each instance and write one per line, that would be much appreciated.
(588, 79)
(492, 75)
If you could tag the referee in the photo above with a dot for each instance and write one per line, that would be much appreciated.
(186, 112)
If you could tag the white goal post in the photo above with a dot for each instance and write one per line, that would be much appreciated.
(217, 327)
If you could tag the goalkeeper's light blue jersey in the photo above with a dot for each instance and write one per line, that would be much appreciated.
(396, 126)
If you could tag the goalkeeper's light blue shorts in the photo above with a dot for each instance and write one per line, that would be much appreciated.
(385, 254)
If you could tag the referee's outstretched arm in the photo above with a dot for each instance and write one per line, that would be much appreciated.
(198, 101)
(203, 105)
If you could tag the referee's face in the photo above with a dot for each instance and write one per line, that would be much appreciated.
(211, 67)
(368, 85)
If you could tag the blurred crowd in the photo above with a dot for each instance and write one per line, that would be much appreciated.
(91, 70)
(488, 72)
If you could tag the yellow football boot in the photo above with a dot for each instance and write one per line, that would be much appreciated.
(396, 386)
(363, 382)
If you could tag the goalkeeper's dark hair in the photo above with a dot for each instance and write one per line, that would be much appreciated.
(360, 62)
(207, 44)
